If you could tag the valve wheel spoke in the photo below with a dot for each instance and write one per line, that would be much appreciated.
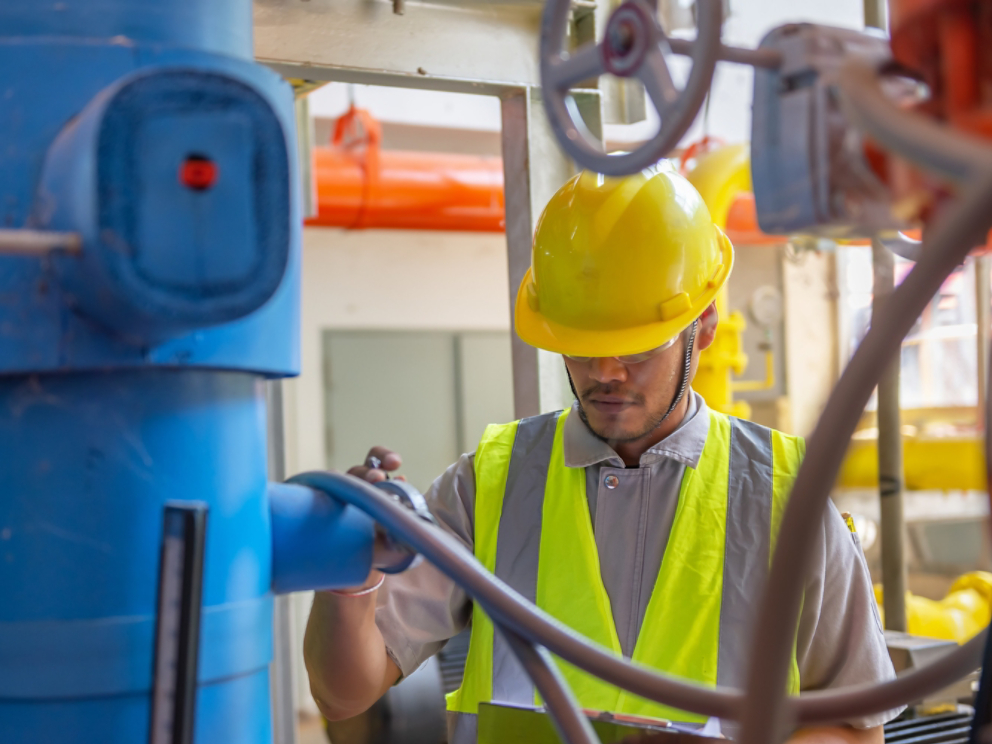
(566, 70)
(634, 46)
(657, 80)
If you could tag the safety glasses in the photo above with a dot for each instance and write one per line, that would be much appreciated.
(629, 358)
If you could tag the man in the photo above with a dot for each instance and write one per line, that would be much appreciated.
(640, 518)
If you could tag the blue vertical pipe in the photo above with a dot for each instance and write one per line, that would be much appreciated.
(102, 422)
(89, 461)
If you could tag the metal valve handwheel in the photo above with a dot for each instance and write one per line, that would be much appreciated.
(403, 493)
(634, 45)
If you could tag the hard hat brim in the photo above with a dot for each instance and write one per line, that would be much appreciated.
(536, 329)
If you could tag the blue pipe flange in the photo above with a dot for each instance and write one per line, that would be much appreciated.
(386, 546)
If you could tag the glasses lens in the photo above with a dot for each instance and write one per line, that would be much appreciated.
(629, 358)
(645, 355)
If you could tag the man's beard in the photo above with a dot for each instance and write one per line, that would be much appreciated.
(654, 421)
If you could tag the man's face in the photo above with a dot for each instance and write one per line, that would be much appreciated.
(626, 402)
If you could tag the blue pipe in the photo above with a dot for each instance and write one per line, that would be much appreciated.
(89, 462)
(216, 26)
(132, 373)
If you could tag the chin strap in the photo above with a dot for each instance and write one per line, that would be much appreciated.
(686, 370)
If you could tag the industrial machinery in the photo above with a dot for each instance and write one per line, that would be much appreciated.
(149, 272)
(149, 260)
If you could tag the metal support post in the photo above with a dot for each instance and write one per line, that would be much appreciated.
(304, 153)
(285, 651)
(534, 168)
(890, 470)
(983, 323)
(876, 14)
(983, 700)
(283, 627)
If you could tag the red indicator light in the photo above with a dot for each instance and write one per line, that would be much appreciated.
(198, 173)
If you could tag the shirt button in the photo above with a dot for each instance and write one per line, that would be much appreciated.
(611, 481)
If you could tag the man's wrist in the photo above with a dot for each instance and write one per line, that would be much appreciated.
(360, 591)
(368, 587)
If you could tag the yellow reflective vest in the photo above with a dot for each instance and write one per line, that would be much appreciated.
(712, 572)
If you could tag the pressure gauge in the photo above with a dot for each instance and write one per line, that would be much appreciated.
(765, 306)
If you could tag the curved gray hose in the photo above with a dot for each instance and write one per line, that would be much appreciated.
(572, 724)
(955, 155)
(766, 712)
(901, 245)
(513, 614)
(508, 609)
(822, 706)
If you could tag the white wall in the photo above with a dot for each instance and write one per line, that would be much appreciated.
(810, 313)
(405, 106)
(381, 279)
(386, 279)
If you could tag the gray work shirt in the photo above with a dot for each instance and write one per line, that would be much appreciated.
(840, 640)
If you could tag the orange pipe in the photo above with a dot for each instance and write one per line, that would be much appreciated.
(361, 186)
(949, 42)
(742, 224)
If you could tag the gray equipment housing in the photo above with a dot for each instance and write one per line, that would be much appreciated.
(808, 166)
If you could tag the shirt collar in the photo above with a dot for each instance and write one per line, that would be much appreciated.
(582, 448)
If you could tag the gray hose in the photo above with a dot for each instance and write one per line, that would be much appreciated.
(769, 59)
(900, 245)
(507, 608)
(864, 700)
(766, 712)
(573, 726)
(512, 613)
(953, 155)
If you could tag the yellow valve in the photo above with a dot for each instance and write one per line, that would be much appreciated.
(958, 617)
(931, 464)
(719, 176)
(750, 386)
(724, 356)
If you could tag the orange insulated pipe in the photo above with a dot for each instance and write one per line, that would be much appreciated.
(361, 186)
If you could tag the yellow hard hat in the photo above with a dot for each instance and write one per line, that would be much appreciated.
(620, 265)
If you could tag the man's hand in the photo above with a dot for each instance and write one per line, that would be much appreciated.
(345, 655)
(379, 462)
(838, 735)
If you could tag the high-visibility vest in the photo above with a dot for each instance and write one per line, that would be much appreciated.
(534, 531)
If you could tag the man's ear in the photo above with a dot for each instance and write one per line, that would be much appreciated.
(707, 327)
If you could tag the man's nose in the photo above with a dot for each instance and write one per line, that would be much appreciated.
(607, 369)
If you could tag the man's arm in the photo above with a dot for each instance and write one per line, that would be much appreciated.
(412, 615)
(344, 652)
(838, 735)
(840, 640)
(345, 655)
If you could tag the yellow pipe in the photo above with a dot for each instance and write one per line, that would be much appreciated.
(750, 386)
(719, 176)
(958, 617)
(931, 464)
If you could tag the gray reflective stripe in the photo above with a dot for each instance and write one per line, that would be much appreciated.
(518, 542)
(463, 728)
(745, 567)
